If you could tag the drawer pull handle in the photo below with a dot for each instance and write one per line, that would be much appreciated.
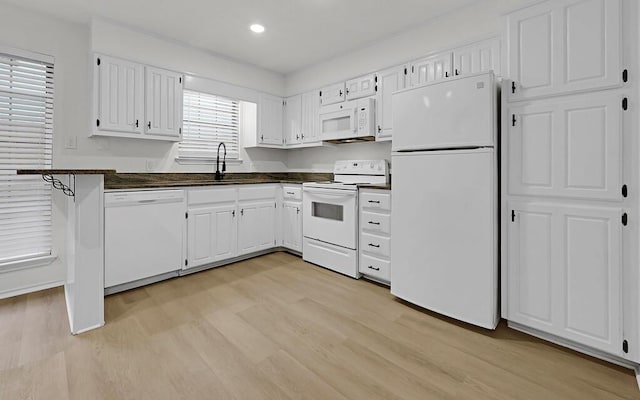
(374, 245)
(374, 223)
(374, 201)
(291, 193)
(374, 268)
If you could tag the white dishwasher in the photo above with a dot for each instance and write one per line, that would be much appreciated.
(143, 235)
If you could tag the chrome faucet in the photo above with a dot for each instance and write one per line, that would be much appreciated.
(220, 175)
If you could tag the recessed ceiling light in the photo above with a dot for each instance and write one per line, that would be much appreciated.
(257, 28)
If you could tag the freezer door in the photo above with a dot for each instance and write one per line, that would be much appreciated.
(444, 226)
(454, 113)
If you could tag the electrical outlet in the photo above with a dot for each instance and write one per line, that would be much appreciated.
(71, 142)
(151, 165)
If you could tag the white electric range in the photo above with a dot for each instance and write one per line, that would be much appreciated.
(330, 214)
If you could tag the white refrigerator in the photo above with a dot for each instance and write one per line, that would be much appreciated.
(444, 250)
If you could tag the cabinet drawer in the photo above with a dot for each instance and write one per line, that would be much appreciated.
(214, 195)
(374, 244)
(380, 200)
(292, 192)
(374, 222)
(375, 267)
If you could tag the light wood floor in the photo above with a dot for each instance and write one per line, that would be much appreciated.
(276, 327)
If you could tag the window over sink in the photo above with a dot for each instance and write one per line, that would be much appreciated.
(209, 119)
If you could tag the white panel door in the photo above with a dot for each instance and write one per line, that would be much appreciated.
(211, 234)
(478, 57)
(120, 95)
(457, 112)
(293, 120)
(332, 94)
(361, 86)
(591, 307)
(444, 247)
(310, 117)
(389, 81)
(567, 147)
(256, 230)
(292, 225)
(564, 46)
(532, 264)
(270, 115)
(430, 69)
(163, 92)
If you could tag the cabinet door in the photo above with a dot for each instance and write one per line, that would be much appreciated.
(270, 120)
(389, 81)
(564, 46)
(310, 117)
(332, 94)
(120, 95)
(564, 272)
(533, 257)
(211, 234)
(293, 120)
(478, 57)
(566, 147)
(163, 92)
(257, 226)
(362, 86)
(292, 225)
(431, 69)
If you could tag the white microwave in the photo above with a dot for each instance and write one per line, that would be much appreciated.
(350, 121)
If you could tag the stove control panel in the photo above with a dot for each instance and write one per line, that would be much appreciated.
(361, 167)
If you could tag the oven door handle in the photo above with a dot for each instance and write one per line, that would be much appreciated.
(333, 194)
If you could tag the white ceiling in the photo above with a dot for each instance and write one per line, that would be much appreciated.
(298, 32)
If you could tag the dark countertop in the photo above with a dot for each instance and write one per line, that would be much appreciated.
(67, 171)
(165, 180)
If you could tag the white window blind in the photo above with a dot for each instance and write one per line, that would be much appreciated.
(26, 130)
(208, 120)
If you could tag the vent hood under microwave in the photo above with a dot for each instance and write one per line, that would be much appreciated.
(348, 122)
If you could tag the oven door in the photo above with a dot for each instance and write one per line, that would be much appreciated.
(330, 215)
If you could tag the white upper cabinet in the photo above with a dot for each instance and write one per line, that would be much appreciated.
(362, 86)
(389, 81)
(564, 46)
(310, 117)
(293, 120)
(332, 94)
(478, 57)
(270, 112)
(163, 93)
(120, 95)
(431, 68)
(566, 147)
(565, 272)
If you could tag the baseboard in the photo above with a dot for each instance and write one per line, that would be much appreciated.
(89, 329)
(576, 347)
(236, 259)
(637, 371)
(30, 289)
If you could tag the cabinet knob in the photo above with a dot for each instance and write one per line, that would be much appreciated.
(374, 268)
(149, 125)
(297, 210)
(137, 123)
(261, 137)
(374, 245)
(233, 213)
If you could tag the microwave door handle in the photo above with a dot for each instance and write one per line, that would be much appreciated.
(354, 120)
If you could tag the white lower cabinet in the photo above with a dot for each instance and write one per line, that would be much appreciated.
(375, 234)
(291, 217)
(211, 226)
(292, 225)
(257, 218)
(564, 272)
